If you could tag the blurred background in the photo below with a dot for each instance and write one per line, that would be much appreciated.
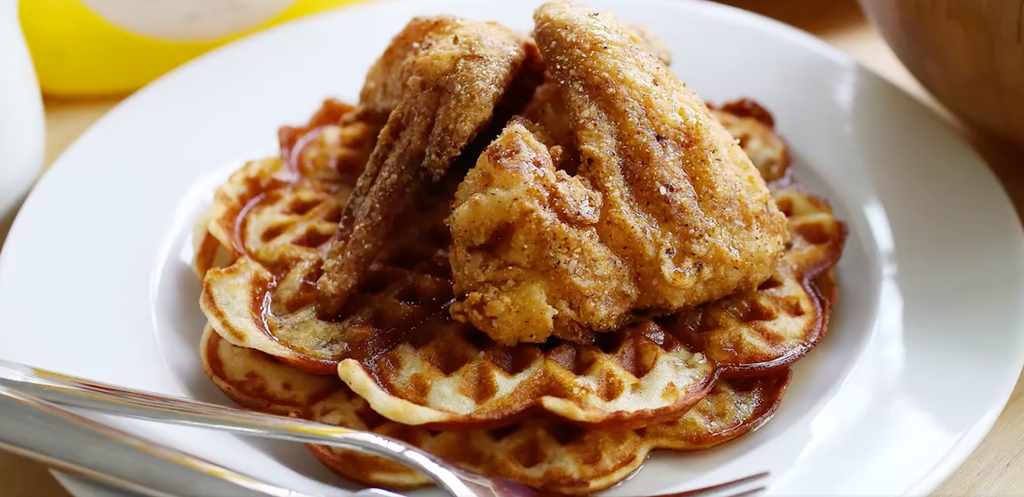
(968, 54)
(962, 58)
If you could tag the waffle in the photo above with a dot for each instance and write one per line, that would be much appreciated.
(546, 454)
(777, 324)
(754, 126)
(396, 346)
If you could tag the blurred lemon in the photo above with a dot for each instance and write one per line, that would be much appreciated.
(101, 47)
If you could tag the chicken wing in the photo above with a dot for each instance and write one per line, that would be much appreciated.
(653, 43)
(436, 86)
(665, 210)
(525, 239)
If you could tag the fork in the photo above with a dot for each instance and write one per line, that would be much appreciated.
(44, 390)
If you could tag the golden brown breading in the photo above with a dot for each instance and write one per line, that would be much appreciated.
(654, 44)
(437, 85)
(682, 215)
(544, 257)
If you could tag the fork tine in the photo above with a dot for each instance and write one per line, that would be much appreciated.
(748, 493)
(698, 492)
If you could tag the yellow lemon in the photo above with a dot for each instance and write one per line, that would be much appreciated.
(100, 47)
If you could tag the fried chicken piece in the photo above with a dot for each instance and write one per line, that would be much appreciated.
(530, 231)
(654, 44)
(682, 216)
(436, 85)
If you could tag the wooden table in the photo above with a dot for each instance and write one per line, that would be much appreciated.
(995, 468)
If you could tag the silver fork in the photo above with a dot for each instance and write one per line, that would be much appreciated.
(43, 391)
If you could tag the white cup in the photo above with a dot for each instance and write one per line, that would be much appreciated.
(21, 117)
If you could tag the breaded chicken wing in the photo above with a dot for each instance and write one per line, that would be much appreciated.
(526, 233)
(665, 210)
(436, 86)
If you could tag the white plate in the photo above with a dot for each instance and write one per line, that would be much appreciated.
(921, 355)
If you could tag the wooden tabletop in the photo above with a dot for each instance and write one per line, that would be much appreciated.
(995, 468)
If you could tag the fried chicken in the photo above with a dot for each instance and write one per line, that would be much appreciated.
(436, 86)
(525, 237)
(665, 210)
(653, 43)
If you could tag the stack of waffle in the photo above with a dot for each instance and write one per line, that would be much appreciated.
(559, 416)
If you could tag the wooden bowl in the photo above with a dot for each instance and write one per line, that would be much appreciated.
(968, 53)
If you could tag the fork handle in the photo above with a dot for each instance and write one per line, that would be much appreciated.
(111, 399)
(72, 443)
